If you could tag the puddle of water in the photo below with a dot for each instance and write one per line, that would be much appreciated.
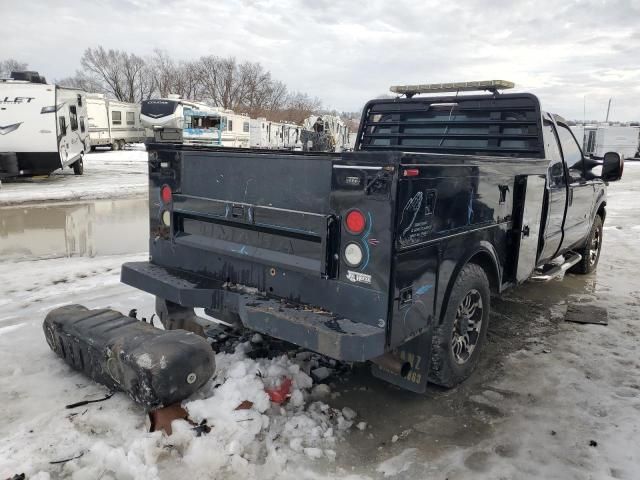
(99, 227)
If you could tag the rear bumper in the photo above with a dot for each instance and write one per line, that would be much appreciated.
(324, 333)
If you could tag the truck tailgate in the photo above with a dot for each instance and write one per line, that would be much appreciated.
(273, 210)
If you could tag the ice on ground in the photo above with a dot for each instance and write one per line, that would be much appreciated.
(398, 464)
(107, 174)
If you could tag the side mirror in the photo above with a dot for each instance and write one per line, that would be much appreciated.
(612, 167)
(608, 169)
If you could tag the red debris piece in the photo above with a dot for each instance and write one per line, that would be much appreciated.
(281, 393)
(245, 405)
(161, 418)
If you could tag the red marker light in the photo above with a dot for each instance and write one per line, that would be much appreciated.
(165, 194)
(411, 172)
(355, 222)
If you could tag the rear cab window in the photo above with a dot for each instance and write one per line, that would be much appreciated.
(503, 125)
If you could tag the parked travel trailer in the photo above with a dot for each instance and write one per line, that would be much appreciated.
(237, 129)
(259, 133)
(325, 133)
(43, 127)
(195, 123)
(600, 140)
(113, 123)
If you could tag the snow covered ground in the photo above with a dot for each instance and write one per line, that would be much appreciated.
(107, 174)
(550, 399)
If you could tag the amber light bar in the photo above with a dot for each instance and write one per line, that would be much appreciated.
(491, 85)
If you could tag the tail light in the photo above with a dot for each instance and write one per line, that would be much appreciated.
(355, 222)
(165, 194)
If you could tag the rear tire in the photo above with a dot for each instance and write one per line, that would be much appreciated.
(78, 167)
(591, 250)
(122, 144)
(115, 146)
(458, 340)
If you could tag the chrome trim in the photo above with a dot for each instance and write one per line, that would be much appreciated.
(358, 167)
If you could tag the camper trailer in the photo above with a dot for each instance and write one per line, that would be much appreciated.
(600, 140)
(43, 127)
(237, 129)
(173, 118)
(113, 123)
(325, 133)
(259, 132)
(195, 123)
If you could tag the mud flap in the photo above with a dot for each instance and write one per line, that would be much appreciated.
(418, 353)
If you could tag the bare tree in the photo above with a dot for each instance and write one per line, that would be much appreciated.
(122, 75)
(82, 82)
(11, 65)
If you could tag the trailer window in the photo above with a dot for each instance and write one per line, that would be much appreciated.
(82, 124)
(116, 118)
(63, 125)
(79, 100)
(131, 119)
(230, 125)
(73, 118)
(245, 127)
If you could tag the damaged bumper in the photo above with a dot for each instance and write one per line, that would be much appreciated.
(325, 333)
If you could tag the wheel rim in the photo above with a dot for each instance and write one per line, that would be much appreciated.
(467, 326)
(594, 247)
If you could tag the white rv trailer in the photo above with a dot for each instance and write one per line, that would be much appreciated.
(198, 123)
(43, 127)
(602, 139)
(237, 129)
(329, 130)
(113, 123)
(259, 132)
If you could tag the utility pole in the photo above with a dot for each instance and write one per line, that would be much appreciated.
(608, 110)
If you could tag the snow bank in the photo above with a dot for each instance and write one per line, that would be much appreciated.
(111, 438)
(107, 174)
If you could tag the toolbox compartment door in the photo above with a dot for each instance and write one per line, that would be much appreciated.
(529, 192)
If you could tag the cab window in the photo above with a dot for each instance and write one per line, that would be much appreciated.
(570, 151)
(556, 172)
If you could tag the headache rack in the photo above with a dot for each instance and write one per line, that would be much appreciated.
(494, 125)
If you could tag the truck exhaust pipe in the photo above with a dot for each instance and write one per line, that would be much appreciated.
(392, 363)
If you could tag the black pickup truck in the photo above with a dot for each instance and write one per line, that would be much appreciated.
(389, 253)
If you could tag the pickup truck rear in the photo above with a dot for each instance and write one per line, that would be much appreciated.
(387, 254)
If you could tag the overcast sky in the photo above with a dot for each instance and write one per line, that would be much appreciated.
(346, 52)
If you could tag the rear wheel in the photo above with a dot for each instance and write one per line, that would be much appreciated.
(78, 167)
(122, 144)
(458, 340)
(115, 145)
(591, 250)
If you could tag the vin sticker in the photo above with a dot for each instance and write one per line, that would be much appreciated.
(358, 277)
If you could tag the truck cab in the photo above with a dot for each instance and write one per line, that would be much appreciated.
(387, 254)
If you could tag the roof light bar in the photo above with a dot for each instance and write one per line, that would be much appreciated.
(491, 85)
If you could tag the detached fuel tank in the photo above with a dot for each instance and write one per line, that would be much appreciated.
(155, 367)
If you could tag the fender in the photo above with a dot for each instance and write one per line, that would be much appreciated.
(483, 253)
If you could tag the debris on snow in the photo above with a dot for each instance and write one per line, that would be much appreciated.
(349, 413)
(281, 393)
(320, 374)
(161, 418)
